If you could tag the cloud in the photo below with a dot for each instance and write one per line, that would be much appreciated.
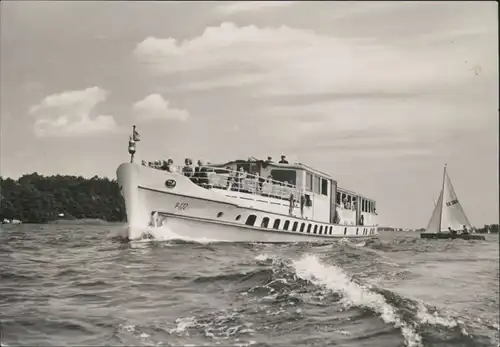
(70, 114)
(250, 6)
(301, 61)
(154, 106)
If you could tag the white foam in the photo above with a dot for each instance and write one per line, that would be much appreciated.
(262, 257)
(424, 316)
(183, 324)
(311, 269)
(164, 233)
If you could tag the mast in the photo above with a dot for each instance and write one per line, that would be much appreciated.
(442, 200)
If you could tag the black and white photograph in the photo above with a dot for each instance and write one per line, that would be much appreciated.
(249, 173)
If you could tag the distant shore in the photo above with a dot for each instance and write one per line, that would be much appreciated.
(35, 198)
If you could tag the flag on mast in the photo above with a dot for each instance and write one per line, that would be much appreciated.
(136, 135)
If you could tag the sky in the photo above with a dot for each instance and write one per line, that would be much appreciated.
(378, 94)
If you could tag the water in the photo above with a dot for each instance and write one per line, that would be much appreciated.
(74, 285)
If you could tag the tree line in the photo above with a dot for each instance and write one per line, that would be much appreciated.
(35, 198)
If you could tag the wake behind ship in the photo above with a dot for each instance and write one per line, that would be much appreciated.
(242, 201)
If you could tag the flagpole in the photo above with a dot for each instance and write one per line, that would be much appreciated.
(131, 144)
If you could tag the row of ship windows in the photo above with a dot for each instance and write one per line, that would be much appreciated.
(323, 230)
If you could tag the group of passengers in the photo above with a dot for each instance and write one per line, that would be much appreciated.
(464, 231)
(200, 174)
(197, 174)
(165, 165)
(348, 205)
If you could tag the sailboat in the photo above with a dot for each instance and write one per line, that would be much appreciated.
(448, 220)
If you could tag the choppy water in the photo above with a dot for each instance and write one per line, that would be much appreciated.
(73, 285)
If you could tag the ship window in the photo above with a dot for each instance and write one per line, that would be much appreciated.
(315, 229)
(357, 231)
(238, 217)
(309, 228)
(219, 214)
(309, 181)
(345, 230)
(324, 186)
(308, 200)
(251, 220)
(285, 176)
(302, 226)
(286, 225)
(295, 225)
(321, 230)
(265, 222)
(317, 184)
(331, 230)
(338, 198)
(276, 224)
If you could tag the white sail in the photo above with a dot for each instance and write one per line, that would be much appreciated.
(448, 212)
(435, 221)
(453, 215)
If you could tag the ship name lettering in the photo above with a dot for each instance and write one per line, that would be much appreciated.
(181, 206)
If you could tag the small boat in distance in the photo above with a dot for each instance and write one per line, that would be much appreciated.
(242, 201)
(448, 220)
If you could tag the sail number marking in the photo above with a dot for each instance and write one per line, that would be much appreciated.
(451, 203)
(181, 206)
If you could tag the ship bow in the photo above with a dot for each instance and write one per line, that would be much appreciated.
(137, 217)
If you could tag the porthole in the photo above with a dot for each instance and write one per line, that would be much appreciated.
(238, 217)
(219, 214)
(276, 224)
(251, 220)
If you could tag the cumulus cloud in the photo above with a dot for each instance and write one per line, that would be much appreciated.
(154, 106)
(70, 113)
(303, 61)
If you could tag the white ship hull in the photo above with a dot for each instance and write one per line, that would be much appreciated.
(193, 212)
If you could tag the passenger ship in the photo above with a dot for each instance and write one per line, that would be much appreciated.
(237, 201)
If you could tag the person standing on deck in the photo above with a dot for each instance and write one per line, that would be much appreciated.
(283, 160)
(302, 203)
(187, 170)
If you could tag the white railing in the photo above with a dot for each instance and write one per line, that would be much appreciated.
(238, 181)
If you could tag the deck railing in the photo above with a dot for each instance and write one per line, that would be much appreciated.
(238, 181)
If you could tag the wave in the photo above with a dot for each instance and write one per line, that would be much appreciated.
(281, 289)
